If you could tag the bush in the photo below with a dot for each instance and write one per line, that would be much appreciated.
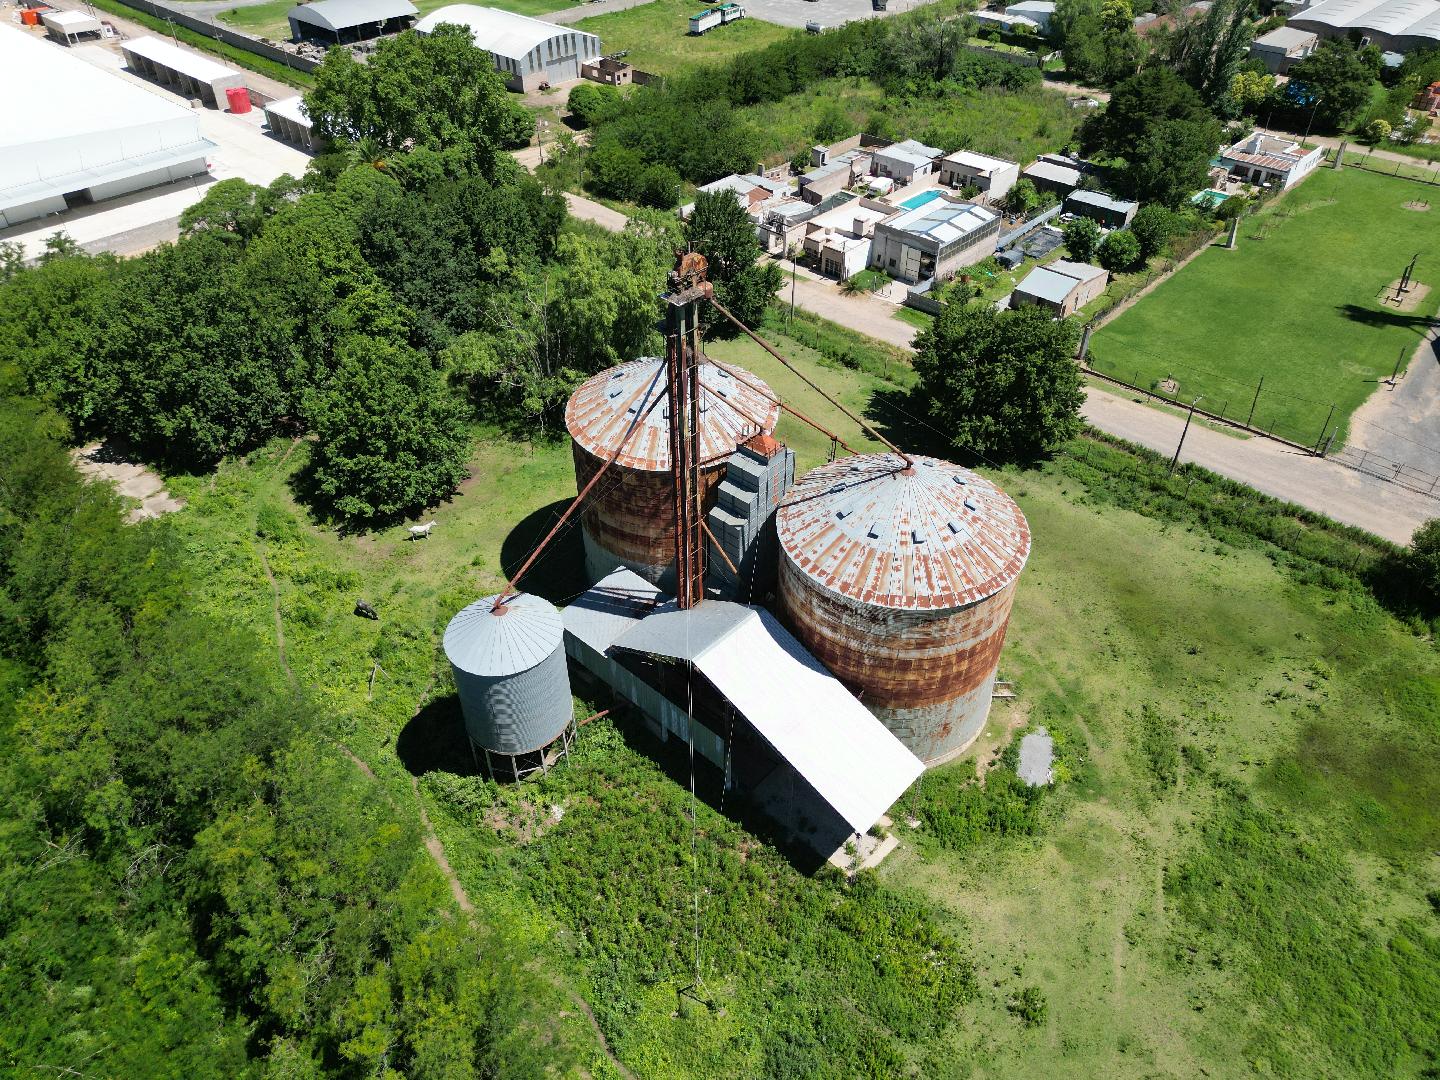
(1119, 251)
(1082, 238)
(593, 103)
(658, 187)
(1425, 557)
(1152, 228)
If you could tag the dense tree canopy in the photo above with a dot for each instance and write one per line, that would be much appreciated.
(1097, 39)
(1332, 84)
(1082, 238)
(435, 91)
(720, 229)
(1208, 48)
(1003, 384)
(1425, 557)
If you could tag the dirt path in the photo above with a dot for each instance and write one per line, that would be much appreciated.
(279, 623)
(1402, 422)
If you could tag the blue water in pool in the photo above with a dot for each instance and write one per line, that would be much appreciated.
(917, 201)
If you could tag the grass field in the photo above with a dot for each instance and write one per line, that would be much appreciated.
(657, 36)
(1236, 876)
(268, 19)
(1297, 303)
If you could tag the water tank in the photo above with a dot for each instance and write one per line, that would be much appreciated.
(900, 580)
(509, 665)
(629, 519)
(238, 98)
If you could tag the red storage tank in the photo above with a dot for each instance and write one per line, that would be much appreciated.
(239, 99)
(30, 17)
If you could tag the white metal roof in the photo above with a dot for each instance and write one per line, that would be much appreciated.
(1102, 199)
(341, 14)
(71, 22)
(942, 220)
(982, 163)
(501, 32)
(1396, 18)
(610, 608)
(292, 109)
(1077, 270)
(175, 58)
(1032, 7)
(484, 640)
(1047, 285)
(851, 759)
(1048, 170)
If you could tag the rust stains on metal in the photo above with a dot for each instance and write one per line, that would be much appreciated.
(929, 537)
(602, 410)
(900, 580)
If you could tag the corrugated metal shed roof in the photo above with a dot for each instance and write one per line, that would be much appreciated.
(1101, 199)
(1047, 285)
(611, 607)
(343, 14)
(525, 631)
(1285, 37)
(851, 759)
(942, 220)
(1060, 174)
(603, 410)
(982, 163)
(500, 32)
(1077, 270)
(931, 537)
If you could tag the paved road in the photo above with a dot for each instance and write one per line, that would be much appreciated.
(599, 7)
(587, 210)
(1403, 423)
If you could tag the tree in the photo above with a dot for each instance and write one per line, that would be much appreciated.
(721, 231)
(1152, 228)
(233, 208)
(433, 91)
(1119, 251)
(1209, 48)
(1004, 383)
(1097, 40)
(389, 436)
(1162, 130)
(1425, 556)
(593, 103)
(832, 123)
(1249, 90)
(1022, 198)
(1332, 83)
(1376, 131)
(1082, 238)
(925, 48)
(614, 170)
(658, 187)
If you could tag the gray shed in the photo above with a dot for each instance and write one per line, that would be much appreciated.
(510, 671)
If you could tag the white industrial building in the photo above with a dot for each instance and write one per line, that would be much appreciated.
(340, 22)
(1280, 48)
(528, 52)
(1039, 12)
(187, 73)
(94, 136)
(71, 27)
(1394, 25)
(288, 119)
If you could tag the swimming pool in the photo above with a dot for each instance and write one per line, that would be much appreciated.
(917, 201)
(1209, 198)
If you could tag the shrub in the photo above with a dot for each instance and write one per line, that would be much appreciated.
(1119, 251)
(1082, 238)
(1425, 557)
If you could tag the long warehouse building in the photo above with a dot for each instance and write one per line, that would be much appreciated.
(528, 52)
(95, 135)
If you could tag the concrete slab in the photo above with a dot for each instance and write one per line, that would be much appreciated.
(1037, 755)
(146, 491)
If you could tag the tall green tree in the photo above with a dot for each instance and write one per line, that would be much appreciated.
(1098, 40)
(1209, 48)
(389, 436)
(435, 91)
(1004, 384)
(720, 230)
(1082, 238)
(1332, 84)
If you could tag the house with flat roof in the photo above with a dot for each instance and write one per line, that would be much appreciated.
(934, 240)
(1062, 287)
(993, 176)
(905, 162)
(1264, 159)
(1039, 12)
(839, 240)
(1101, 208)
(835, 173)
(1280, 48)
(1059, 180)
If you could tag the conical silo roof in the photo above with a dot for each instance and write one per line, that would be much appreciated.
(927, 537)
(734, 405)
(522, 633)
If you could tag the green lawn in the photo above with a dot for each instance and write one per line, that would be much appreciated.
(657, 36)
(1233, 871)
(268, 19)
(1297, 303)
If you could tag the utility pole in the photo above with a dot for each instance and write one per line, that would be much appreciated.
(1085, 342)
(1183, 432)
(1255, 401)
(794, 273)
(1234, 232)
(1324, 429)
(1311, 123)
(1396, 373)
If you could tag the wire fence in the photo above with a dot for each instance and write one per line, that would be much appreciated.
(1384, 468)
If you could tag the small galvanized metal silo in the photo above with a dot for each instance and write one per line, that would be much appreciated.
(629, 518)
(900, 580)
(510, 671)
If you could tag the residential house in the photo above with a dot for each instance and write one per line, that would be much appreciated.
(993, 176)
(839, 240)
(1104, 209)
(934, 240)
(751, 191)
(1062, 287)
(1280, 48)
(835, 173)
(1050, 176)
(905, 162)
(1004, 22)
(1265, 159)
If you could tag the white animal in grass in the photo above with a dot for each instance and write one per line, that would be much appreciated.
(421, 532)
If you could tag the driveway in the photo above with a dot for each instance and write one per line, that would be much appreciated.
(1402, 423)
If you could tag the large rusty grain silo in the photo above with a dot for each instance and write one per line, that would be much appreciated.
(900, 580)
(629, 518)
